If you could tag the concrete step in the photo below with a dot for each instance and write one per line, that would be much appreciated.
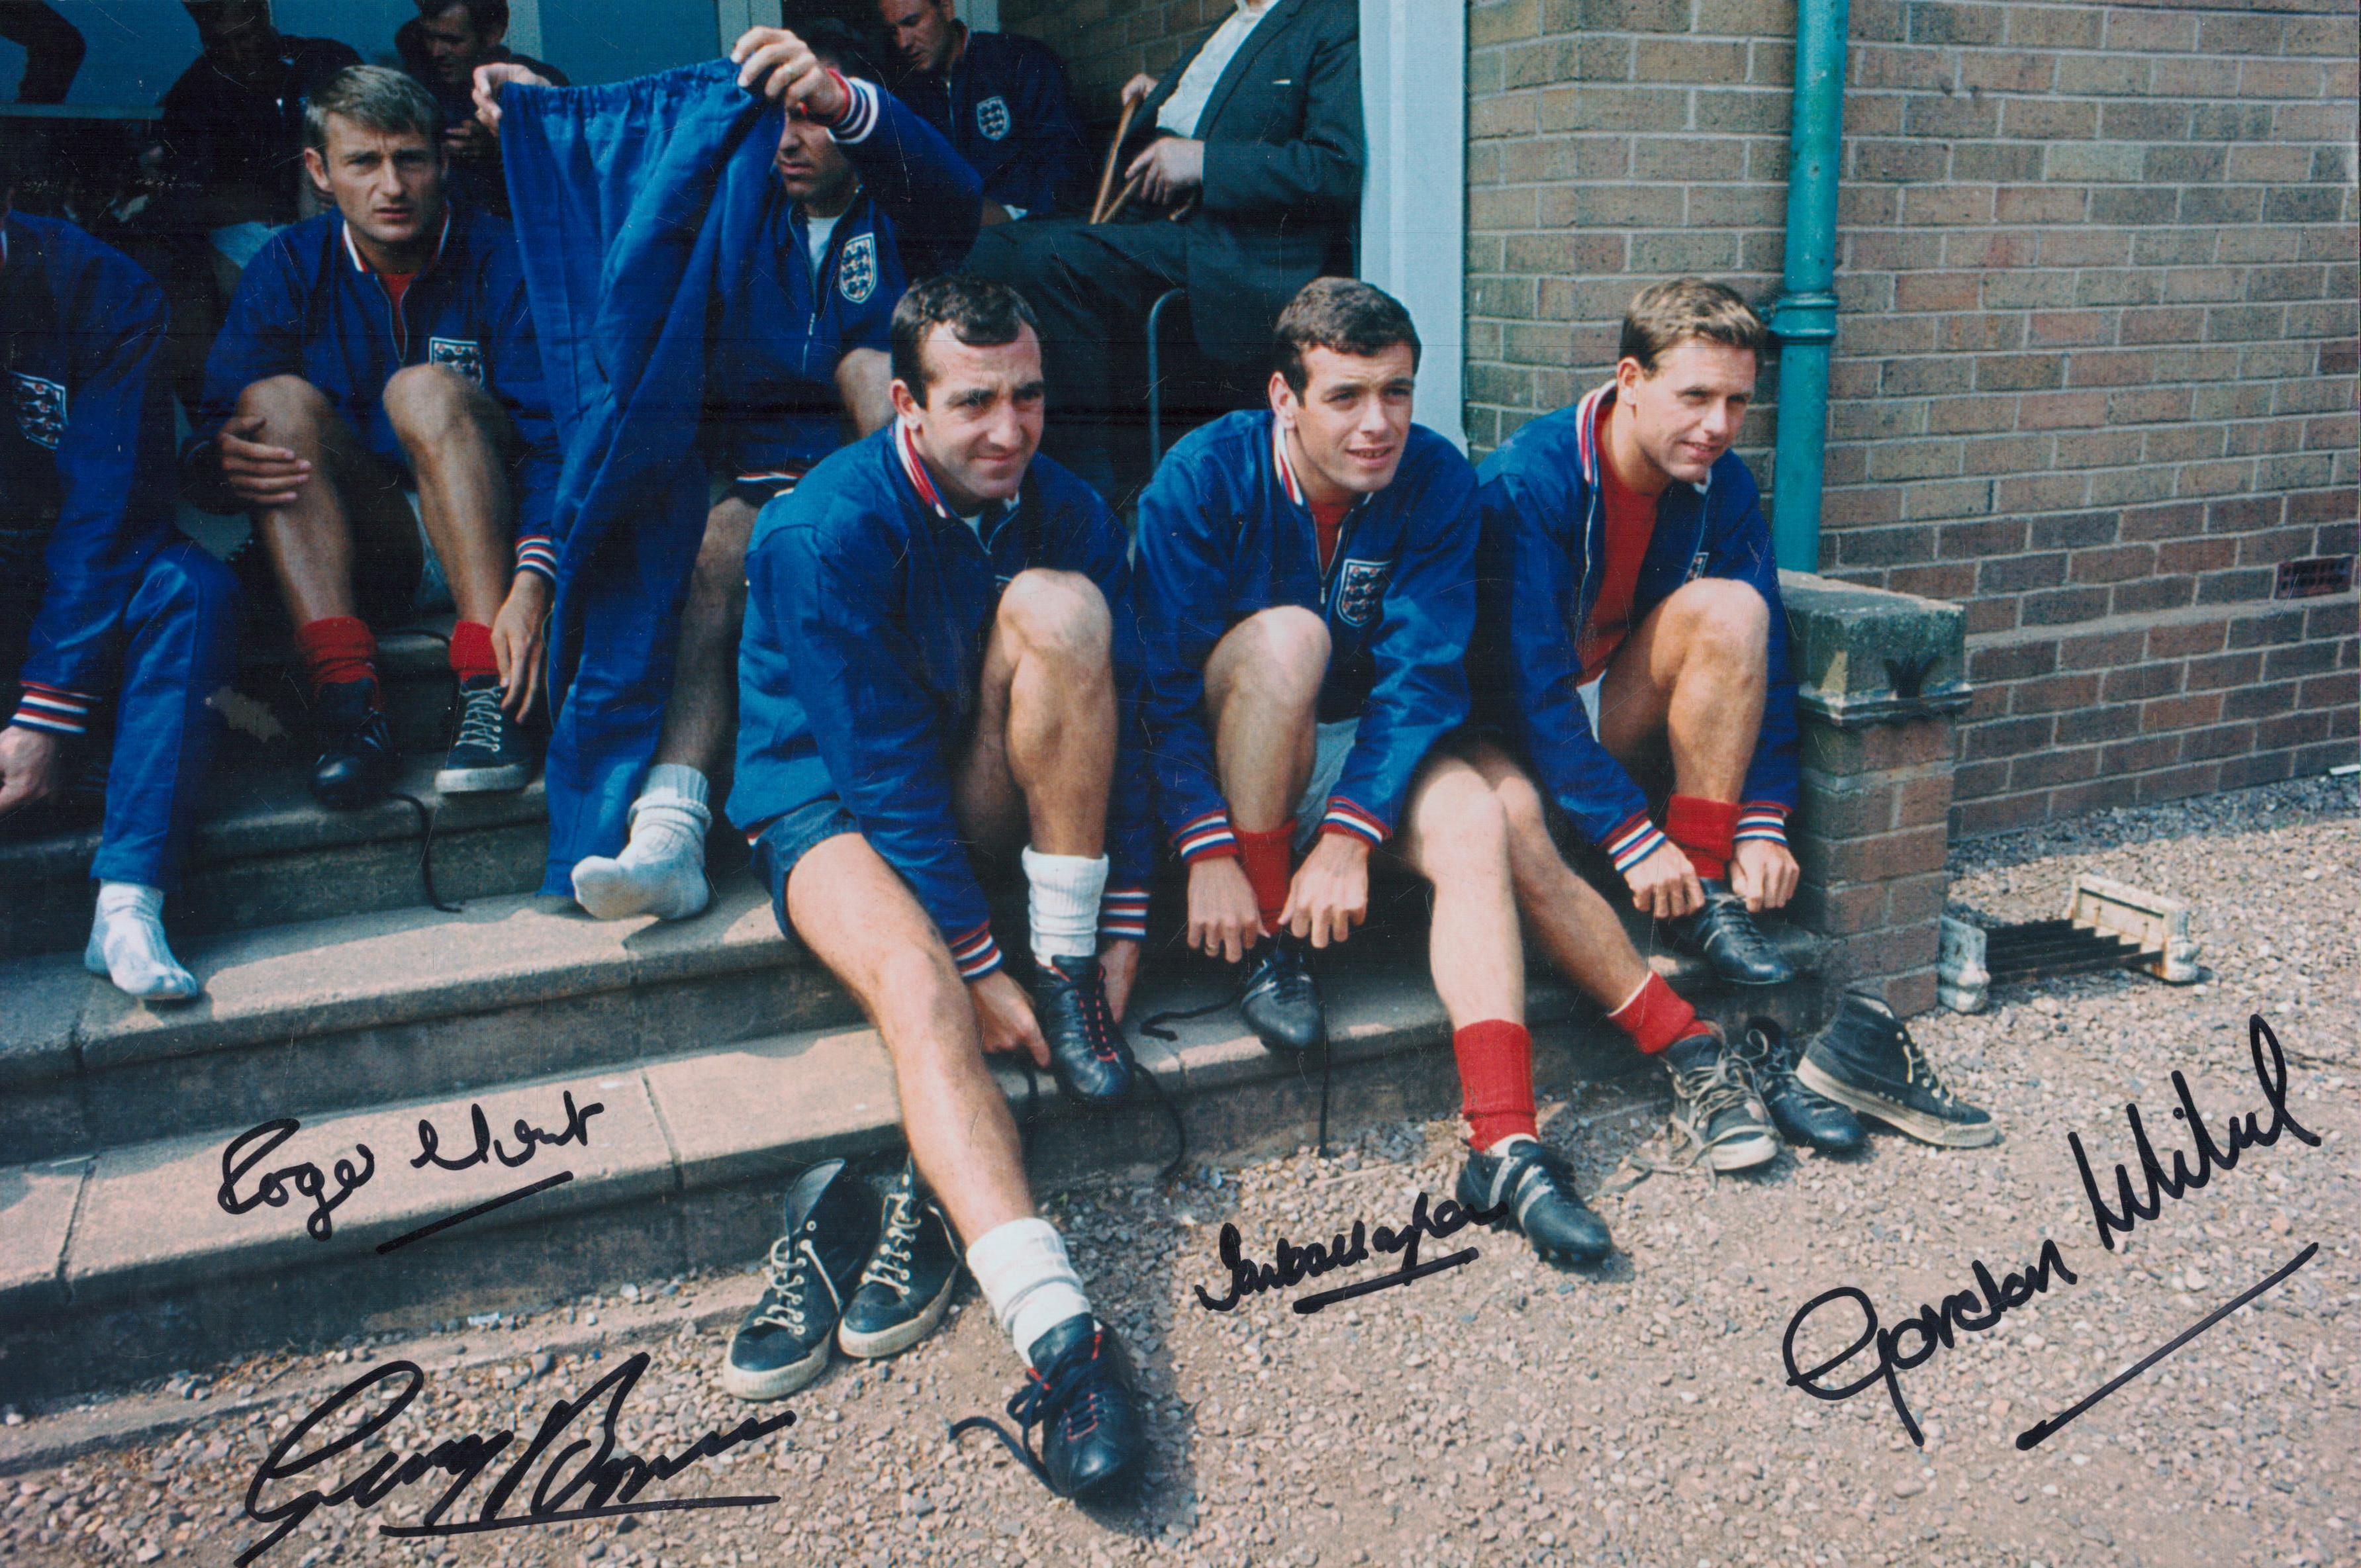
(356, 1010)
(267, 854)
(127, 1264)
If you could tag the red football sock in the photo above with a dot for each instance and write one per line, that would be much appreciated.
(471, 650)
(1495, 1081)
(1655, 1016)
(1704, 829)
(1270, 861)
(336, 649)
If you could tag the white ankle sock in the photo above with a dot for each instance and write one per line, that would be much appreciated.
(1511, 1141)
(127, 945)
(1063, 904)
(661, 869)
(1027, 1278)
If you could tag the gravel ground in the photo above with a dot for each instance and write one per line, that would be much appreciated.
(1503, 1412)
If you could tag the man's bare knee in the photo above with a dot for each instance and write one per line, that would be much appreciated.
(1058, 615)
(427, 402)
(1724, 615)
(289, 405)
(1463, 830)
(721, 572)
(1279, 656)
(1522, 814)
(916, 989)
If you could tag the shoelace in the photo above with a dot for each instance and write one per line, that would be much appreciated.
(1710, 1091)
(479, 719)
(785, 1274)
(1097, 1017)
(890, 1267)
(1917, 1069)
(1035, 1404)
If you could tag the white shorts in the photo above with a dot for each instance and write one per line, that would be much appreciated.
(1589, 693)
(1331, 745)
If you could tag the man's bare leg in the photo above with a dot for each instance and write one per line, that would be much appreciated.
(347, 523)
(864, 377)
(457, 436)
(660, 870)
(1691, 678)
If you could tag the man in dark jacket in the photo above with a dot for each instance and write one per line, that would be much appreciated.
(941, 657)
(441, 47)
(1000, 99)
(97, 592)
(1253, 151)
(1307, 592)
(372, 349)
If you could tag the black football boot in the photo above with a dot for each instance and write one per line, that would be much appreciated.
(1865, 1059)
(1537, 1187)
(1088, 1054)
(1722, 932)
(358, 759)
(1079, 1393)
(1768, 1055)
(1279, 999)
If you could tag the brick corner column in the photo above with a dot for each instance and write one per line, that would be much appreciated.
(1879, 677)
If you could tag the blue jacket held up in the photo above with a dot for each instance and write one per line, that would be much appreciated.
(869, 605)
(1544, 555)
(1224, 533)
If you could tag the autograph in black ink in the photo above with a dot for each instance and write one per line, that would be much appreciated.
(237, 1159)
(1936, 1328)
(528, 1138)
(1296, 1264)
(580, 1480)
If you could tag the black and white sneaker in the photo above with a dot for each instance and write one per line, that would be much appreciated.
(1867, 1060)
(1536, 1187)
(489, 753)
(831, 1228)
(1279, 998)
(1715, 1111)
(907, 1284)
(1768, 1055)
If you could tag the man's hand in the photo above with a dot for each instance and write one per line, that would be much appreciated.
(1136, 91)
(517, 633)
(1330, 894)
(259, 474)
(1665, 884)
(1169, 168)
(1119, 971)
(1003, 1016)
(27, 758)
(786, 69)
(1223, 920)
(1763, 873)
(469, 140)
(490, 79)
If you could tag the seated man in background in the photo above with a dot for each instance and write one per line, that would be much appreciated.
(383, 347)
(233, 128)
(1636, 634)
(1000, 99)
(1253, 149)
(867, 198)
(441, 47)
(941, 657)
(1307, 592)
(97, 592)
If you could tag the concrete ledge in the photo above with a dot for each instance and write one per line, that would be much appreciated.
(682, 1170)
(1870, 657)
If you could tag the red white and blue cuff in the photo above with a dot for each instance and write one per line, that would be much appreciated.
(1766, 820)
(860, 116)
(1123, 915)
(537, 554)
(54, 709)
(1633, 841)
(1343, 817)
(976, 954)
(1205, 837)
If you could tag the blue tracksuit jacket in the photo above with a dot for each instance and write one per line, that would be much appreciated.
(1006, 107)
(1224, 533)
(309, 306)
(772, 403)
(1544, 552)
(96, 590)
(868, 608)
(646, 214)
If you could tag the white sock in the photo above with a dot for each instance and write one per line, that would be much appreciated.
(127, 945)
(1063, 904)
(661, 869)
(1511, 1141)
(1027, 1278)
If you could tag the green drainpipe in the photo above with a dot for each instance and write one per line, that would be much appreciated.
(1804, 319)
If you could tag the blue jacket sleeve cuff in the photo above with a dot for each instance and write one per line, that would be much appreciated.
(1206, 838)
(1766, 820)
(54, 710)
(1345, 817)
(537, 554)
(976, 954)
(1123, 915)
(1633, 841)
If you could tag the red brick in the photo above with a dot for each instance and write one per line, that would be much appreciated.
(2186, 637)
(2181, 712)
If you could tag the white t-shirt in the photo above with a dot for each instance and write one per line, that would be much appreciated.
(1182, 110)
(817, 231)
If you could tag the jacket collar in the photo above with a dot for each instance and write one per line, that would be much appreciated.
(1586, 418)
(360, 263)
(922, 482)
(1282, 13)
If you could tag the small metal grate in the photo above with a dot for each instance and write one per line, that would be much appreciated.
(2040, 949)
(2313, 577)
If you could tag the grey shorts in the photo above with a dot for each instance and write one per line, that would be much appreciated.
(1330, 747)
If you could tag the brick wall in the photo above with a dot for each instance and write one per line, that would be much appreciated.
(1104, 42)
(2095, 374)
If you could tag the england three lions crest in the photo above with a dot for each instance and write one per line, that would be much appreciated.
(992, 118)
(1360, 585)
(462, 355)
(40, 409)
(856, 268)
